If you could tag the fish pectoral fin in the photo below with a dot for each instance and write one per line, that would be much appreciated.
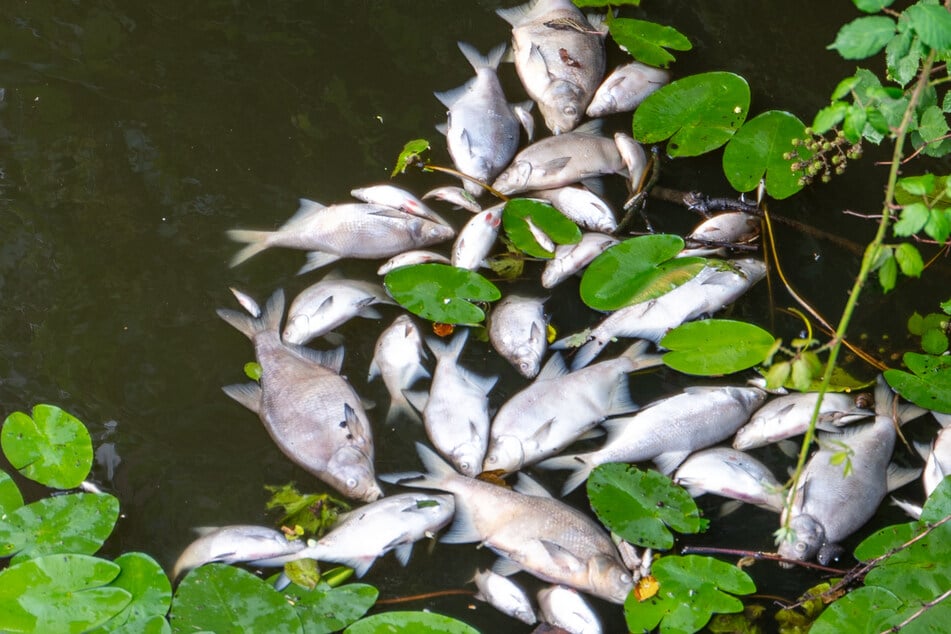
(316, 260)
(403, 552)
(562, 557)
(555, 165)
(530, 486)
(505, 567)
(542, 433)
(248, 394)
(467, 141)
(897, 477)
(463, 529)
(668, 461)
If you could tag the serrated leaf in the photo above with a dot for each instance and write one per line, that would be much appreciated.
(863, 37)
(939, 224)
(933, 25)
(411, 152)
(52, 447)
(441, 293)
(757, 149)
(921, 185)
(716, 346)
(909, 260)
(698, 113)
(607, 282)
(903, 56)
(646, 41)
(888, 273)
(545, 218)
(932, 124)
(872, 6)
(829, 117)
(410, 623)
(913, 219)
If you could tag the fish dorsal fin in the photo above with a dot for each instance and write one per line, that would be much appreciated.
(530, 486)
(562, 557)
(505, 567)
(330, 359)
(442, 128)
(589, 127)
(523, 112)
(553, 369)
(621, 400)
(304, 211)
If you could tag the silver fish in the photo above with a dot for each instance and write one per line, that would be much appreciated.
(477, 238)
(483, 129)
(409, 258)
(562, 160)
(394, 523)
(937, 455)
(330, 303)
(397, 198)
(729, 227)
(349, 230)
(397, 357)
(730, 473)
(567, 609)
(716, 285)
(789, 415)
(504, 595)
(829, 505)
(257, 545)
(550, 540)
(456, 196)
(582, 207)
(667, 431)
(558, 408)
(456, 412)
(625, 88)
(313, 414)
(559, 56)
(634, 158)
(572, 258)
(517, 331)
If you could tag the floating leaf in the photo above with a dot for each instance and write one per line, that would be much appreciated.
(545, 218)
(151, 591)
(75, 523)
(664, 278)
(224, 599)
(646, 41)
(758, 148)
(52, 448)
(252, 370)
(698, 113)
(59, 593)
(325, 609)
(441, 293)
(716, 346)
(640, 505)
(868, 609)
(10, 497)
(611, 280)
(411, 152)
(410, 623)
(154, 625)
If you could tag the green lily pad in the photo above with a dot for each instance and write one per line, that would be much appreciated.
(59, 593)
(325, 609)
(52, 448)
(143, 578)
(545, 218)
(758, 148)
(613, 279)
(410, 623)
(716, 346)
(10, 496)
(698, 113)
(440, 292)
(646, 41)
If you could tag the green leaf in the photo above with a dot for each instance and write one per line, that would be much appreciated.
(411, 153)
(929, 367)
(909, 260)
(929, 386)
(932, 125)
(913, 219)
(441, 293)
(872, 6)
(545, 218)
(324, 609)
(844, 88)
(921, 185)
(867, 609)
(52, 448)
(934, 341)
(252, 370)
(664, 278)
(829, 117)
(933, 25)
(154, 625)
(59, 593)
(611, 280)
(10, 497)
(410, 623)
(888, 272)
(938, 504)
(854, 123)
(74, 523)
(646, 41)
(151, 591)
(698, 113)
(640, 505)
(758, 148)
(716, 346)
(225, 600)
(863, 37)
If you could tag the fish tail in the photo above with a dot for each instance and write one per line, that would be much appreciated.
(884, 398)
(579, 464)
(400, 409)
(479, 61)
(250, 325)
(257, 241)
(637, 355)
(587, 353)
(438, 472)
(449, 351)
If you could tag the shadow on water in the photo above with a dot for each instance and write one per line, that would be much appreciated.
(133, 138)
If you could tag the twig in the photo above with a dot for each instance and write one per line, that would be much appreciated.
(426, 595)
(924, 607)
(758, 555)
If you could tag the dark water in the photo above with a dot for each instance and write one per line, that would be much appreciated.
(133, 135)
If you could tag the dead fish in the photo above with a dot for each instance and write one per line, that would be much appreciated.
(937, 455)
(397, 357)
(257, 545)
(829, 505)
(729, 227)
(517, 331)
(330, 303)
(313, 414)
(504, 595)
(550, 540)
(666, 431)
(625, 88)
(456, 196)
(733, 474)
(581, 206)
(408, 258)
(477, 238)
(562, 160)
(349, 230)
(561, 68)
(572, 258)
(789, 415)
(394, 523)
(456, 412)
(559, 407)
(634, 158)
(719, 283)
(567, 609)
(397, 198)
(483, 129)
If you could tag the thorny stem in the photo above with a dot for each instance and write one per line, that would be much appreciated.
(871, 252)
(924, 607)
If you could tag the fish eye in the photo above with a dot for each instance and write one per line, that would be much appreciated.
(570, 111)
(351, 483)
(626, 578)
(800, 547)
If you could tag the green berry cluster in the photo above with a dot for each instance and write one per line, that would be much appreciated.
(817, 155)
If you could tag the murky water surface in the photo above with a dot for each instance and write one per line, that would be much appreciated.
(133, 135)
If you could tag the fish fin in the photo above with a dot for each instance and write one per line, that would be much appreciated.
(515, 15)
(479, 61)
(554, 368)
(403, 551)
(451, 350)
(484, 383)
(562, 557)
(369, 312)
(593, 126)
(621, 400)
(884, 398)
(595, 185)
(417, 399)
(305, 209)
(360, 565)
(374, 370)
(505, 567)
(451, 96)
(201, 531)
(248, 394)
(330, 359)
(943, 419)
(463, 529)
(247, 302)
(924, 449)
(257, 241)
(530, 486)
(591, 434)
(555, 165)
(400, 408)
(636, 353)
(728, 507)
(442, 128)
(668, 461)
(588, 351)
(317, 259)
(523, 112)
(788, 447)
(897, 477)
(405, 478)
(578, 463)
(908, 412)
(913, 510)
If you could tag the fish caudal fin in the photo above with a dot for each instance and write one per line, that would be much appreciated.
(580, 465)
(257, 241)
(478, 61)
(637, 355)
(587, 353)
(270, 318)
(401, 409)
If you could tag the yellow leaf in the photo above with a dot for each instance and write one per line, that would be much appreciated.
(646, 588)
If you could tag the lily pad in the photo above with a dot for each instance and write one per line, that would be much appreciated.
(712, 347)
(10, 496)
(324, 609)
(440, 292)
(646, 41)
(143, 578)
(545, 218)
(757, 149)
(52, 447)
(698, 113)
(410, 623)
